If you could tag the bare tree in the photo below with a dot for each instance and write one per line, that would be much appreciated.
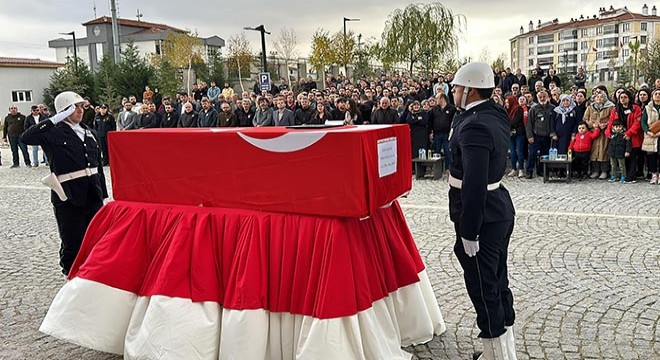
(285, 44)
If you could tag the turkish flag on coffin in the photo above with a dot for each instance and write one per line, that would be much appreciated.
(343, 171)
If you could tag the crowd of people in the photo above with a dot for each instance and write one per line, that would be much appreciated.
(610, 136)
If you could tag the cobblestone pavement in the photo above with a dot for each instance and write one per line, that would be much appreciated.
(584, 270)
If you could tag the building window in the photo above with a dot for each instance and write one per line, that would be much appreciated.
(625, 27)
(531, 51)
(21, 96)
(546, 38)
(626, 40)
(599, 30)
(583, 57)
(643, 39)
(626, 53)
(599, 43)
(544, 50)
(610, 29)
(158, 50)
(531, 62)
(530, 40)
(583, 45)
(644, 26)
(585, 32)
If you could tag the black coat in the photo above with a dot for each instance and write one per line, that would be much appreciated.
(385, 116)
(478, 148)
(104, 124)
(244, 118)
(619, 146)
(188, 120)
(304, 116)
(170, 120)
(67, 153)
(207, 118)
(419, 131)
(29, 121)
(440, 118)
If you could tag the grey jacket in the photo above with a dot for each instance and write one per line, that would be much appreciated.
(263, 118)
(127, 120)
(288, 118)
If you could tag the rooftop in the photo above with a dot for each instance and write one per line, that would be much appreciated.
(132, 23)
(33, 63)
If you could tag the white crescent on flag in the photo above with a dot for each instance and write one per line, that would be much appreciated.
(288, 142)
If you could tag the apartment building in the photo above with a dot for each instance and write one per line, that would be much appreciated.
(600, 44)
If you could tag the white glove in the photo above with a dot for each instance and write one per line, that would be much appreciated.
(62, 115)
(471, 247)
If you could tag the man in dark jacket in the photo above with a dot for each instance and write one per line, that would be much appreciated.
(244, 113)
(440, 118)
(551, 78)
(305, 113)
(339, 112)
(170, 117)
(519, 78)
(538, 131)
(35, 117)
(103, 124)
(534, 78)
(88, 113)
(14, 126)
(385, 114)
(227, 118)
(208, 116)
(481, 208)
(76, 176)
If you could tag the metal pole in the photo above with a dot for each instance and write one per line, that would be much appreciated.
(345, 27)
(115, 33)
(75, 51)
(264, 63)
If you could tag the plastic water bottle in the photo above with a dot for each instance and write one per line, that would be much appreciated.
(421, 153)
(553, 154)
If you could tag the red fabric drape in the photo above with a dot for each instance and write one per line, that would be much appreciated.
(325, 267)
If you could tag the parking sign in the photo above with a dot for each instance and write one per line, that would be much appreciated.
(264, 81)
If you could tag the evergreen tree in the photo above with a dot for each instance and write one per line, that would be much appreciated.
(216, 69)
(68, 78)
(167, 78)
(133, 73)
(105, 87)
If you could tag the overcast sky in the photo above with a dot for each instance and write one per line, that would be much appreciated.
(26, 26)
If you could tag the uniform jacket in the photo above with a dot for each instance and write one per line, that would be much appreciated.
(582, 142)
(104, 124)
(478, 145)
(207, 118)
(67, 153)
(14, 125)
(538, 120)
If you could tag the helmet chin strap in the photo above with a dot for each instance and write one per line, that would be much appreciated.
(464, 97)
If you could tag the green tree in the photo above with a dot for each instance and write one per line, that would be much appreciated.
(167, 78)
(650, 62)
(633, 60)
(421, 33)
(285, 44)
(239, 56)
(133, 72)
(106, 89)
(344, 47)
(216, 68)
(71, 78)
(322, 53)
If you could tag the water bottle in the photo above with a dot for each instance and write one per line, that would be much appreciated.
(420, 154)
(423, 152)
(553, 154)
(570, 155)
(429, 154)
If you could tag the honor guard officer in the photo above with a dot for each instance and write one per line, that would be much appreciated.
(76, 177)
(481, 208)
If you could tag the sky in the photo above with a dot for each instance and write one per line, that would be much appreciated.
(27, 26)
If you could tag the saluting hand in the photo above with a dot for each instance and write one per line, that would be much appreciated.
(62, 115)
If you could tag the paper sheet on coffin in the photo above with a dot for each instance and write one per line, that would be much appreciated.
(111, 320)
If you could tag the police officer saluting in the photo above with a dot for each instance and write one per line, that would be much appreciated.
(481, 207)
(76, 177)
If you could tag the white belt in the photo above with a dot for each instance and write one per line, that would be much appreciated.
(458, 184)
(77, 174)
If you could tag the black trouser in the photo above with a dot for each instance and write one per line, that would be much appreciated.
(541, 145)
(581, 163)
(104, 149)
(72, 222)
(631, 164)
(15, 144)
(486, 278)
(652, 161)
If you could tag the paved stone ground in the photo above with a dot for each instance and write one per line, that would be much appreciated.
(584, 269)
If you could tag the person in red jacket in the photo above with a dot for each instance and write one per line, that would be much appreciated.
(630, 116)
(580, 146)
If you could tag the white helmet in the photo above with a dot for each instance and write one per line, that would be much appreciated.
(64, 99)
(475, 75)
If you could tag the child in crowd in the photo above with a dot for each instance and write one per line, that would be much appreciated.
(618, 149)
(581, 148)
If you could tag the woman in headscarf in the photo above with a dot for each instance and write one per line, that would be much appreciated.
(564, 125)
(598, 116)
(642, 99)
(630, 115)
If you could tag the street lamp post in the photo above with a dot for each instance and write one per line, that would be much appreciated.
(345, 41)
(75, 49)
(345, 20)
(263, 32)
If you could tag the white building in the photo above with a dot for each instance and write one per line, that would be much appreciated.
(147, 37)
(23, 82)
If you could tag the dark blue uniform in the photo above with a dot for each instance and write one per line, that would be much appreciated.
(66, 154)
(478, 147)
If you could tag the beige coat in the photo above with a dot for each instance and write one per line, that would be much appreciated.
(594, 118)
(650, 144)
